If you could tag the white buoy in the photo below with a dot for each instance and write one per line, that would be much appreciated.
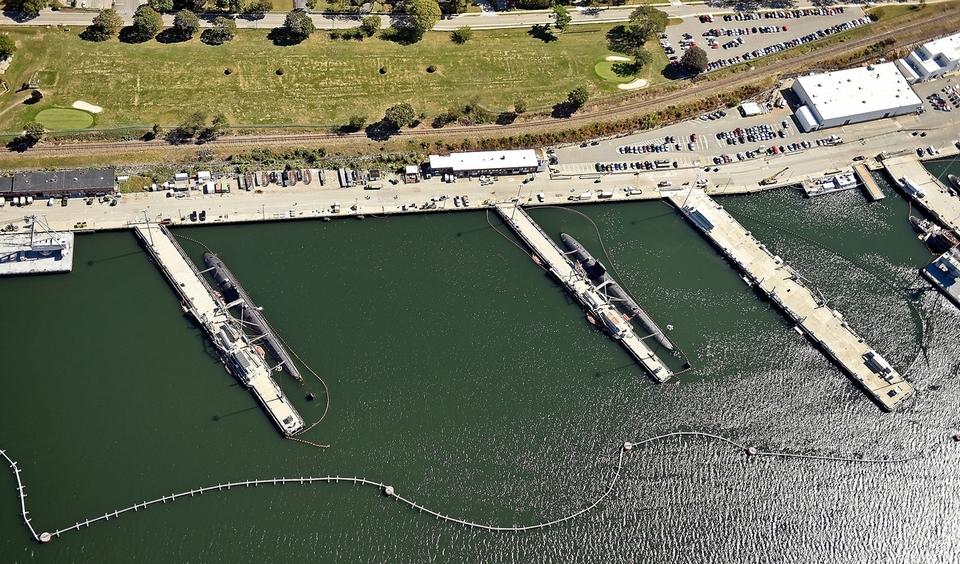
(669, 327)
(752, 451)
(628, 446)
(388, 490)
(45, 537)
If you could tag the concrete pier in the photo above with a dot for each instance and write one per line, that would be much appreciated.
(236, 351)
(924, 189)
(786, 288)
(600, 311)
(870, 186)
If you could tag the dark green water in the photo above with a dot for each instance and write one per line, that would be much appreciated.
(466, 378)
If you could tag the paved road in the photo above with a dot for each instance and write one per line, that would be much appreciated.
(485, 20)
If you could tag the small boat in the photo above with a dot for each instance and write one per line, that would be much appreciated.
(954, 180)
(591, 319)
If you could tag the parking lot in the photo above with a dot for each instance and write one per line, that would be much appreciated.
(722, 39)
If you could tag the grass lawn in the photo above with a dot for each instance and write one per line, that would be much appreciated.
(59, 119)
(324, 81)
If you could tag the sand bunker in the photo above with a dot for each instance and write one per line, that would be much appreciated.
(638, 83)
(81, 105)
(618, 59)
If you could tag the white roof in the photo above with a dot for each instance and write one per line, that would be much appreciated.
(411, 169)
(751, 109)
(485, 160)
(948, 46)
(806, 119)
(858, 91)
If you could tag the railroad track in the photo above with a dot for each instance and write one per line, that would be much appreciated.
(628, 107)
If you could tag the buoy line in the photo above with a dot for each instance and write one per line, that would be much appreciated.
(390, 491)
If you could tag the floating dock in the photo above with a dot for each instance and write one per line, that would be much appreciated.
(832, 183)
(785, 287)
(599, 310)
(36, 251)
(234, 295)
(240, 356)
(869, 184)
(925, 190)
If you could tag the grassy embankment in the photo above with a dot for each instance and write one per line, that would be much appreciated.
(323, 83)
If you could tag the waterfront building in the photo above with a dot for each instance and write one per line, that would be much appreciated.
(932, 60)
(492, 163)
(852, 96)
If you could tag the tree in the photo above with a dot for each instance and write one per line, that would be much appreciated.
(520, 106)
(216, 128)
(370, 25)
(356, 123)
(577, 98)
(424, 14)
(645, 22)
(33, 133)
(561, 17)
(453, 6)
(461, 35)
(230, 6)
(694, 60)
(106, 25)
(161, 6)
(29, 8)
(298, 25)
(186, 24)
(7, 46)
(258, 8)
(147, 23)
(400, 115)
(195, 6)
(656, 18)
(223, 30)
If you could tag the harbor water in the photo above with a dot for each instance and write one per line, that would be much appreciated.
(466, 378)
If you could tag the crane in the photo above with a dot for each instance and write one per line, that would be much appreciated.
(773, 178)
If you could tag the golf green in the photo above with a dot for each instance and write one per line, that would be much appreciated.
(606, 70)
(56, 119)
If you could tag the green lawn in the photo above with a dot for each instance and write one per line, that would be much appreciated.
(324, 81)
(59, 119)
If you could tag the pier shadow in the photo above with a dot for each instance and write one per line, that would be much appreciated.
(614, 370)
(93, 262)
(218, 417)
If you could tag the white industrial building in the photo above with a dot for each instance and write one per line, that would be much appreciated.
(932, 59)
(853, 95)
(479, 163)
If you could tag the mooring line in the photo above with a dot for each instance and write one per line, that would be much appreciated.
(390, 492)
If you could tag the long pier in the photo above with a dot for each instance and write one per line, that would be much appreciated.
(580, 286)
(924, 189)
(236, 351)
(786, 288)
(870, 185)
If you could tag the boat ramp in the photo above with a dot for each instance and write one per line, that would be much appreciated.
(238, 353)
(598, 307)
(786, 288)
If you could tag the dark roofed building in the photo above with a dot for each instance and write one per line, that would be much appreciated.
(81, 182)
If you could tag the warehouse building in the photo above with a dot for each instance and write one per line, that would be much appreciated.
(932, 59)
(82, 182)
(481, 163)
(852, 96)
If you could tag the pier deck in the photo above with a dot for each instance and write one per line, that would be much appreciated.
(576, 282)
(869, 184)
(236, 351)
(925, 190)
(785, 288)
